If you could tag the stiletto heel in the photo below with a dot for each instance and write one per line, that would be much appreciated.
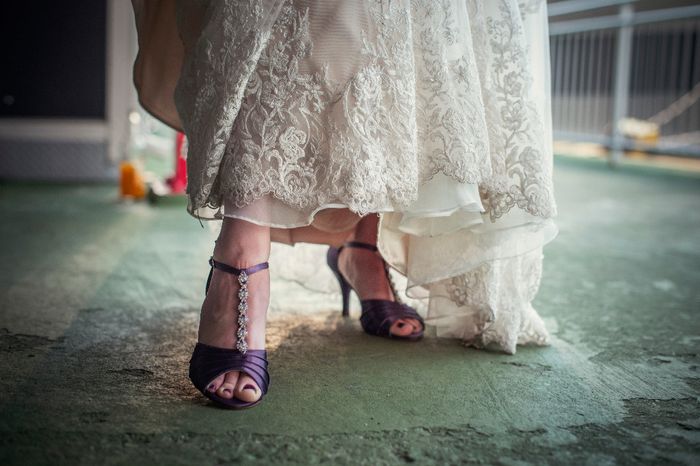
(209, 362)
(378, 315)
(332, 261)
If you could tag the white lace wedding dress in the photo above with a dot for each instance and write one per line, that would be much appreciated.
(434, 113)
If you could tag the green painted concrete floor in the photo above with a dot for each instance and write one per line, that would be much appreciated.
(100, 301)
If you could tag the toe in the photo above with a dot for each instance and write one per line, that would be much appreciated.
(216, 383)
(228, 386)
(247, 390)
(415, 323)
(402, 327)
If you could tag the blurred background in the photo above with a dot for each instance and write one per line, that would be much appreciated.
(625, 83)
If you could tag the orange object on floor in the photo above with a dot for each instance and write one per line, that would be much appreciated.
(131, 183)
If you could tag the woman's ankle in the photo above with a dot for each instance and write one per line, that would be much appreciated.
(242, 244)
(219, 315)
(366, 230)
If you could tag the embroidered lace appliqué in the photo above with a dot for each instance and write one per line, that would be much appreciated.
(415, 107)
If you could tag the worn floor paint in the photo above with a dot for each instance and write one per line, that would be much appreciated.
(100, 301)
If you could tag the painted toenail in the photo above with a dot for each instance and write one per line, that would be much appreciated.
(210, 387)
(249, 387)
(226, 390)
(401, 324)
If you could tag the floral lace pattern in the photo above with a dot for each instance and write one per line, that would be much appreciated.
(500, 319)
(521, 171)
(423, 100)
(220, 57)
(451, 131)
(287, 140)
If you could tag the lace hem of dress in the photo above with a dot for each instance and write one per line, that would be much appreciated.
(303, 215)
(488, 306)
(423, 96)
(477, 281)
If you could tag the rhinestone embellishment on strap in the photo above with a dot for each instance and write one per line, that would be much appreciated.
(241, 344)
(392, 285)
(243, 276)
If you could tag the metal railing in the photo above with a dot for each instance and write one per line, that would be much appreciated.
(627, 81)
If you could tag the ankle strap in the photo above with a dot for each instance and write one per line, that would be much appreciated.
(227, 268)
(359, 244)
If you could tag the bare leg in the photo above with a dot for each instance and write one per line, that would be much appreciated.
(331, 226)
(313, 235)
(240, 244)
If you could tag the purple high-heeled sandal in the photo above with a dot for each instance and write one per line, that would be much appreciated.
(209, 362)
(378, 315)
